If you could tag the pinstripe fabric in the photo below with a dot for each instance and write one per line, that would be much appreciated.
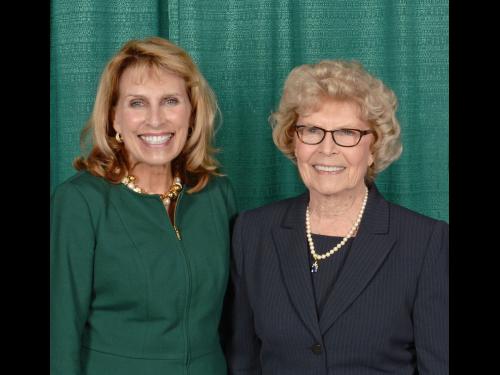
(387, 313)
(323, 282)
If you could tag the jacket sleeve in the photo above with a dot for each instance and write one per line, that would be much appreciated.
(72, 241)
(241, 344)
(431, 308)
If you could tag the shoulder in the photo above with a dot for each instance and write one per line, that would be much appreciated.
(221, 183)
(415, 230)
(423, 240)
(383, 212)
(271, 214)
(81, 186)
(83, 181)
(412, 220)
(280, 206)
(414, 236)
(218, 187)
(219, 191)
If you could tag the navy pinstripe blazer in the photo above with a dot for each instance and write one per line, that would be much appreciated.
(387, 313)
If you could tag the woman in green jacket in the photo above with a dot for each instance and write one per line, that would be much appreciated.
(140, 235)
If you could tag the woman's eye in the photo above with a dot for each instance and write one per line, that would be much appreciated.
(171, 101)
(348, 132)
(136, 103)
(313, 130)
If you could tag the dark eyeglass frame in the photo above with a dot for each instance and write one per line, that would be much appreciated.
(361, 134)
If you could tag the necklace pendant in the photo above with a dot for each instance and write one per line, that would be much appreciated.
(315, 267)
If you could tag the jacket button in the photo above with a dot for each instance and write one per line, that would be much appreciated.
(316, 349)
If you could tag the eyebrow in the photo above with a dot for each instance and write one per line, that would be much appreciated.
(144, 96)
(348, 126)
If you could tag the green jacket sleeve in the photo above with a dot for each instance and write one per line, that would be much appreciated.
(72, 240)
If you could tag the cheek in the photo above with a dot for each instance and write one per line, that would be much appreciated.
(127, 120)
(302, 154)
(364, 158)
(358, 165)
(181, 136)
(181, 117)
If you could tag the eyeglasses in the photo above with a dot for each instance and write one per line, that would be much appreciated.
(313, 135)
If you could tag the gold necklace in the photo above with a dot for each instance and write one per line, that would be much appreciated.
(166, 198)
(316, 256)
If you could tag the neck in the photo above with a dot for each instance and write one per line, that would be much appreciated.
(334, 215)
(153, 179)
(331, 206)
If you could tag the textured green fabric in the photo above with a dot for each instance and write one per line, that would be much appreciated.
(128, 297)
(245, 49)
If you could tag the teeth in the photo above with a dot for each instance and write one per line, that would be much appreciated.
(325, 168)
(156, 139)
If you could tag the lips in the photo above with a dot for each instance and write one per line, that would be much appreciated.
(328, 168)
(156, 139)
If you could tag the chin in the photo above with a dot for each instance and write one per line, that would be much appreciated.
(159, 163)
(154, 161)
(325, 191)
(328, 193)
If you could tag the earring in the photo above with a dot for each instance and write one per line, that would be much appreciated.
(118, 138)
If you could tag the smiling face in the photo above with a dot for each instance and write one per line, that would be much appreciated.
(152, 115)
(326, 168)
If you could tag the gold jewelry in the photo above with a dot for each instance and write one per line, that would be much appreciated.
(318, 257)
(166, 198)
(118, 137)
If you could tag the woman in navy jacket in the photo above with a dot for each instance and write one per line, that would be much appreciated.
(338, 280)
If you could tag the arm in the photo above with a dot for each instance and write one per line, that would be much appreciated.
(71, 263)
(430, 314)
(241, 344)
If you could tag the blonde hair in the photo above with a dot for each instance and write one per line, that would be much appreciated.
(108, 158)
(309, 84)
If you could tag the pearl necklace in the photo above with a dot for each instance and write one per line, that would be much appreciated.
(166, 198)
(312, 249)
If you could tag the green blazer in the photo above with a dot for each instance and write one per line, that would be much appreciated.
(129, 297)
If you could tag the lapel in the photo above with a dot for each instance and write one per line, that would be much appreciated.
(291, 247)
(369, 249)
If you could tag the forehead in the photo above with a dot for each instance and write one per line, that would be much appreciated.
(141, 74)
(331, 107)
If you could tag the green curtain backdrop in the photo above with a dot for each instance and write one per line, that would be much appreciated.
(245, 49)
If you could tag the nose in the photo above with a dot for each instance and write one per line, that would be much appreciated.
(155, 116)
(328, 146)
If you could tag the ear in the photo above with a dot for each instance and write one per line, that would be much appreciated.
(294, 144)
(371, 159)
(117, 127)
